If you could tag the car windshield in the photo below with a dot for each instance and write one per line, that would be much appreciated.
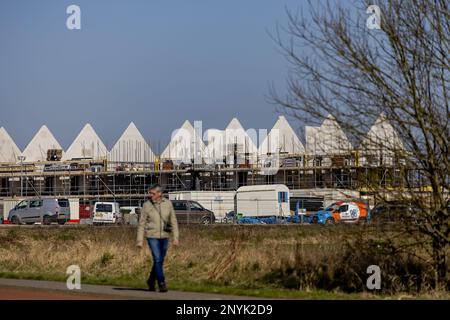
(64, 203)
(180, 206)
(331, 207)
(196, 206)
(104, 208)
(22, 204)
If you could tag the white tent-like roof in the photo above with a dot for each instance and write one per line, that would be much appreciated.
(131, 147)
(236, 135)
(9, 152)
(215, 144)
(381, 136)
(381, 144)
(327, 139)
(281, 138)
(185, 144)
(37, 149)
(86, 145)
(222, 143)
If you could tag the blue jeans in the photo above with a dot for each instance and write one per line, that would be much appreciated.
(158, 248)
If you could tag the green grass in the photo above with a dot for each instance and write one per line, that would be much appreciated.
(274, 293)
(293, 262)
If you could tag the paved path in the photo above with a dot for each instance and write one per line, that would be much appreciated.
(13, 289)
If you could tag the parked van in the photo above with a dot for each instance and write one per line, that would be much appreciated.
(263, 201)
(342, 211)
(106, 212)
(355, 211)
(43, 210)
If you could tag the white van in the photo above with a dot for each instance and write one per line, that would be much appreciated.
(263, 200)
(106, 212)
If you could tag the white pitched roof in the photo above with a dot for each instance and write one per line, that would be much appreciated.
(215, 144)
(382, 136)
(37, 149)
(329, 138)
(8, 148)
(220, 143)
(131, 147)
(281, 138)
(184, 145)
(86, 145)
(234, 133)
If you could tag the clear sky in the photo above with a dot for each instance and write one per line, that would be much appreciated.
(153, 62)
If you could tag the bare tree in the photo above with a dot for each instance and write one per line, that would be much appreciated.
(396, 77)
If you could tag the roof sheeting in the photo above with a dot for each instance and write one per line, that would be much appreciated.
(215, 144)
(329, 138)
(222, 143)
(9, 152)
(131, 147)
(86, 145)
(234, 134)
(381, 137)
(37, 148)
(281, 138)
(185, 144)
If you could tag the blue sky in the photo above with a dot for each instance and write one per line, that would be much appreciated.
(153, 62)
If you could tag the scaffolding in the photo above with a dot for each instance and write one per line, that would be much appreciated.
(127, 182)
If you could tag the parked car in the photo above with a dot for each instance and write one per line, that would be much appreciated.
(342, 211)
(44, 210)
(188, 211)
(396, 211)
(107, 212)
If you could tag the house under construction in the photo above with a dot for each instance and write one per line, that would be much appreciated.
(228, 159)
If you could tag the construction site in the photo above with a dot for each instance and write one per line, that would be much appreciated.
(88, 171)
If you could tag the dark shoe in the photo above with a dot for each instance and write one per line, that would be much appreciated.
(162, 287)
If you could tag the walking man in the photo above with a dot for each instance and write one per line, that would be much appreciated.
(157, 224)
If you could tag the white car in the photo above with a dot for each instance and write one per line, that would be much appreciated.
(106, 212)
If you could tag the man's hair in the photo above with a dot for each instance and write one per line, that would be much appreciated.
(156, 186)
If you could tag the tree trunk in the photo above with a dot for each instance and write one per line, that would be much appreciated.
(440, 264)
